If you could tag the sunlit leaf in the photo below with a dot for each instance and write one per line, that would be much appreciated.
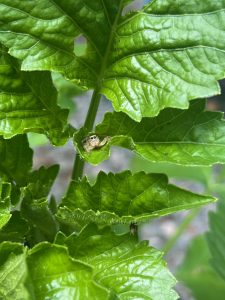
(55, 275)
(123, 197)
(28, 102)
(187, 137)
(129, 269)
(13, 272)
(5, 190)
(168, 53)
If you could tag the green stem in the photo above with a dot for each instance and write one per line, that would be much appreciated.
(93, 108)
(182, 227)
(88, 124)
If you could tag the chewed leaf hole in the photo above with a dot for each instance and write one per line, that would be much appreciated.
(80, 45)
(132, 7)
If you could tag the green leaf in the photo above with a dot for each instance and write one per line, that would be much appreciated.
(216, 238)
(35, 206)
(41, 181)
(55, 275)
(123, 197)
(162, 56)
(5, 191)
(47, 43)
(16, 159)
(38, 214)
(137, 269)
(187, 137)
(180, 6)
(15, 230)
(129, 269)
(165, 60)
(13, 272)
(198, 275)
(28, 102)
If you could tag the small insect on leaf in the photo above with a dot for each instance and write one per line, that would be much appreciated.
(93, 141)
(133, 228)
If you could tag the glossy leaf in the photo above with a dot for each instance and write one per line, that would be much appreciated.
(197, 273)
(16, 159)
(28, 102)
(123, 197)
(13, 272)
(48, 42)
(216, 238)
(129, 269)
(49, 272)
(55, 275)
(5, 190)
(187, 137)
(162, 56)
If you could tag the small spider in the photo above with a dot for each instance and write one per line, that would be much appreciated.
(133, 228)
(92, 142)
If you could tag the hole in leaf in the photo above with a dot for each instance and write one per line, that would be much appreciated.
(132, 7)
(80, 45)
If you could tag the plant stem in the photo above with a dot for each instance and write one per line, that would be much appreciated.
(89, 122)
(92, 111)
(182, 227)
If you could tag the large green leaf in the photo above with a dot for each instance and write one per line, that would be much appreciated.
(16, 159)
(55, 275)
(216, 238)
(129, 269)
(162, 56)
(187, 137)
(124, 197)
(197, 274)
(122, 269)
(44, 33)
(28, 102)
(48, 272)
(13, 272)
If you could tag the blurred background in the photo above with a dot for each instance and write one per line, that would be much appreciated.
(181, 235)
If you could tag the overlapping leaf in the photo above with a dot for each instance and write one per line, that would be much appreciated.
(28, 102)
(48, 271)
(16, 159)
(129, 269)
(55, 275)
(187, 137)
(35, 207)
(162, 56)
(124, 197)
(13, 272)
(15, 230)
(47, 43)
